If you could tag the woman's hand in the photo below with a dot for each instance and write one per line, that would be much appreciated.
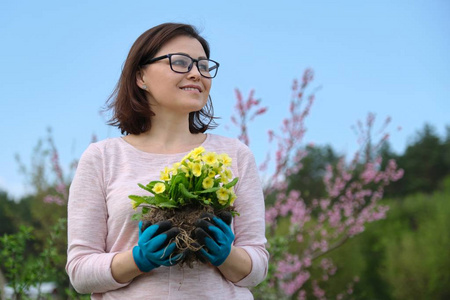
(149, 253)
(153, 249)
(216, 236)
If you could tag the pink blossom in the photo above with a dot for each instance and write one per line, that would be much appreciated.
(271, 135)
(352, 197)
(302, 295)
(308, 76)
(317, 291)
(290, 287)
(295, 85)
(271, 215)
(61, 188)
(324, 204)
(307, 261)
(53, 199)
(291, 264)
(334, 216)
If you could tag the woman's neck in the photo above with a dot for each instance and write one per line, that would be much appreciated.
(167, 135)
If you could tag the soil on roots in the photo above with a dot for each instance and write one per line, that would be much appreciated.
(184, 219)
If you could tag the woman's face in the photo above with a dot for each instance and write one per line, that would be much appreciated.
(170, 92)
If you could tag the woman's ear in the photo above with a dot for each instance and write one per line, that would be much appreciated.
(140, 80)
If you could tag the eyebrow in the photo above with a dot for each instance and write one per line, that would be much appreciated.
(200, 57)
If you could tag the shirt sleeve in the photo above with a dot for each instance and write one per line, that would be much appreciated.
(88, 263)
(249, 226)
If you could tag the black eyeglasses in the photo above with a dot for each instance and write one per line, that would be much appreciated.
(182, 63)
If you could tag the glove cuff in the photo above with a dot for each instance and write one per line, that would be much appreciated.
(143, 264)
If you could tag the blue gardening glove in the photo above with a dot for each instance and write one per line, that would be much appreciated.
(215, 235)
(153, 249)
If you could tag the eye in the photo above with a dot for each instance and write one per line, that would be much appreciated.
(203, 65)
(180, 61)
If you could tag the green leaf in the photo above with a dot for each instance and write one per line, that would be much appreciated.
(159, 198)
(174, 185)
(137, 199)
(145, 188)
(231, 184)
(211, 190)
(142, 199)
(168, 204)
(136, 217)
(198, 185)
(186, 193)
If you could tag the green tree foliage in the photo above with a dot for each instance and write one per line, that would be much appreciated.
(410, 247)
(404, 256)
(13, 213)
(418, 260)
(309, 180)
(7, 205)
(426, 162)
(46, 244)
(23, 267)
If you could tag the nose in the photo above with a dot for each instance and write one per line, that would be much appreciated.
(194, 73)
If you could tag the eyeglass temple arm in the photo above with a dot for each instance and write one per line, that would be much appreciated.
(152, 60)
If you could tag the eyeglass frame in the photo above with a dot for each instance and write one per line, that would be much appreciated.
(169, 56)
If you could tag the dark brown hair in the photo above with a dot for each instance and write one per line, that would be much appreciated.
(128, 103)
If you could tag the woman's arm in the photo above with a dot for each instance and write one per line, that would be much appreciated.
(237, 265)
(247, 264)
(123, 267)
(88, 264)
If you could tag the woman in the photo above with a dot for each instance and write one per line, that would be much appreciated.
(162, 106)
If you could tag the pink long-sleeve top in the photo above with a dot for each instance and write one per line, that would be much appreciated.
(100, 224)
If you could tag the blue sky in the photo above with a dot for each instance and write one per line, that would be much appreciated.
(60, 61)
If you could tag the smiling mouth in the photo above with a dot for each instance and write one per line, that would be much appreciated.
(191, 88)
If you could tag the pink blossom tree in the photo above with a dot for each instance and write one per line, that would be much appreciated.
(301, 234)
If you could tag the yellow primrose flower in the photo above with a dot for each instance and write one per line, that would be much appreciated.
(175, 167)
(134, 204)
(159, 188)
(210, 158)
(197, 159)
(224, 179)
(225, 159)
(233, 197)
(227, 174)
(222, 195)
(186, 157)
(165, 174)
(184, 169)
(212, 174)
(207, 183)
(196, 152)
(196, 169)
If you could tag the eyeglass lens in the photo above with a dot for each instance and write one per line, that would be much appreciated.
(183, 64)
